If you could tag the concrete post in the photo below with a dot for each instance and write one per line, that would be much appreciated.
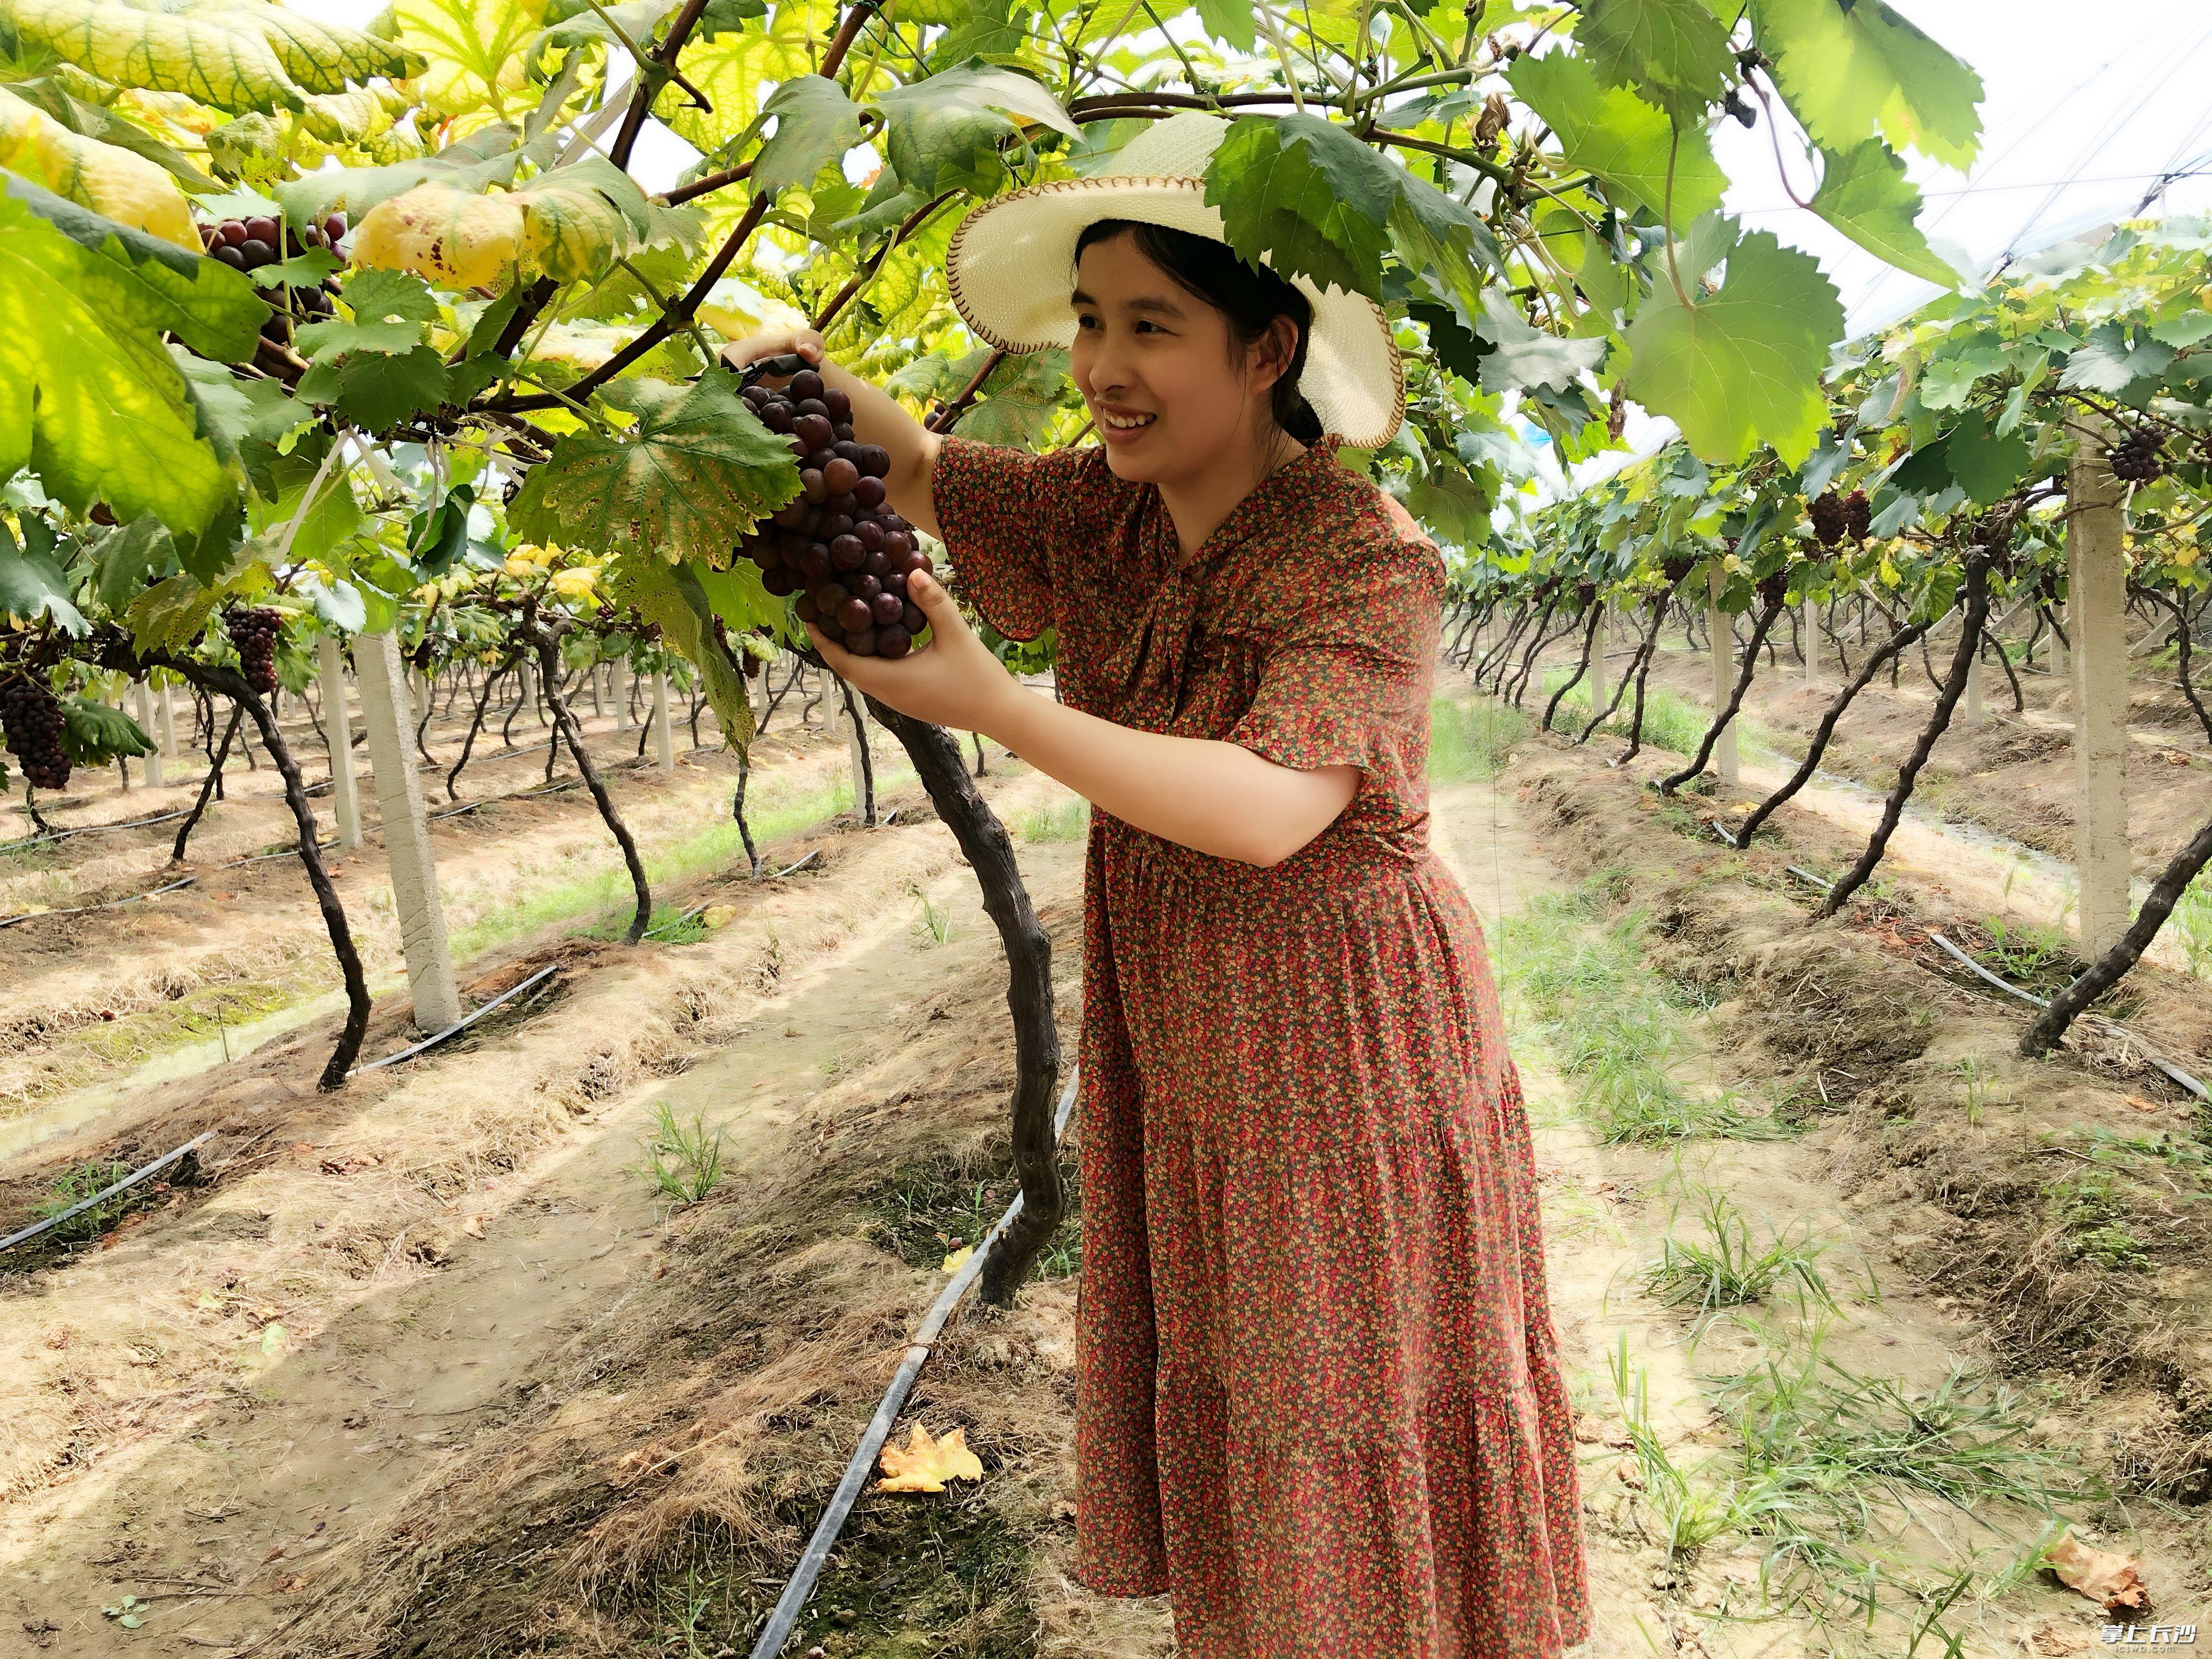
(382, 676)
(166, 707)
(337, 722)
(141, 695)
(526, 678)
(2097, 575)
(620, 671)
(1972, 713)
(856, 735)
(1598, 643)
(1723, 653)
(1809, 620)
(664, 736)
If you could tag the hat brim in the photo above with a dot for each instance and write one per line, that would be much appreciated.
(1010, 262)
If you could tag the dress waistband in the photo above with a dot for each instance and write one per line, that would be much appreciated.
(1334, 861)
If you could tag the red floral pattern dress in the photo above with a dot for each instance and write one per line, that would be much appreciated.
(1318, 1395)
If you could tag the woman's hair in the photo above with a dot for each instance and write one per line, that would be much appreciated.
(1250, 296)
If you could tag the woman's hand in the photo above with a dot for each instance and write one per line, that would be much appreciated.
(953, 681)
(803, 341)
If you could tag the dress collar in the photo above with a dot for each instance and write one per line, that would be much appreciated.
(1258, 510)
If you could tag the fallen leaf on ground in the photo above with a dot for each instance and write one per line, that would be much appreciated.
(1629, 1475)
(958, 1259)
(2143, 1105)
(2113, 1581)
(719, 915)
(272, 1339)
(1589, 1430)
(473, 1227)
(926, 1465)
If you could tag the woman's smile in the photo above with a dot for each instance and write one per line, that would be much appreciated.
(1121, 427)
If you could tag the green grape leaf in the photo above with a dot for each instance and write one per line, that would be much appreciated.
(1307, 196)
(1741, 365)
(373, 390)
(944, 133)
(240, 56)
(1850, 72)
(1614, 134)
(169, 615)
(1024, 395)
(1522, 355)
(2107, 361)
(32, 586)
(1985, 466)
(735, 69)
(1230, 22)
(390, 308)
(695, 474)
(726, 16)
(1673, 52)
(1432, 233)
(92, 734)
(671, 595)
(1451, 341)
(572, 24)
(1453, 505)
(96, 121)
(815, 124)
(1865, 194)
(124, 559)
(92, 402)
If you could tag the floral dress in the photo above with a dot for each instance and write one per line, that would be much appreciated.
(1318, 1395)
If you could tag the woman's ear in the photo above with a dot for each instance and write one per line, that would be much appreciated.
(1276, 348)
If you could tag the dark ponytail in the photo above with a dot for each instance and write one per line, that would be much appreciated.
(1250, 296)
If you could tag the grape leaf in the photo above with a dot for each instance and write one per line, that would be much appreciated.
(390, 310)
(488, 156)
(94, 734)
(672, 595)
(1453, 505)
(926, 1464)
(2107, 362)
(1865, 194)
(1433, 233)
(1673, 52)
(92, 402)
(695, 474)
(373, 389)
(815, 124)
(1307, 195)
(1522, 355)
(1849, 72)
(1230, 22)
(167, 616)
(96, 121)
(944, 131)
(1626, 142)
(242, 56)
(472, 50)
(1741, 365)
(571, 25)
(32, 586)
(126, 188)
(124, 559)
(735, 69)
(1986, 465)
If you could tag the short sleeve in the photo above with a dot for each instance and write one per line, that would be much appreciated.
(1346, 679)
(1002, 510)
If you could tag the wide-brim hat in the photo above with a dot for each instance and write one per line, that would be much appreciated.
(1012, 260)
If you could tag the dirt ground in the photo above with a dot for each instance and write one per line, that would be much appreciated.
(429, 1369)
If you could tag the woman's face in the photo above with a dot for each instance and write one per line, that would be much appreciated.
(1155, 366)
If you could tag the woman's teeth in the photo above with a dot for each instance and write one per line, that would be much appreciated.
(1128, 422)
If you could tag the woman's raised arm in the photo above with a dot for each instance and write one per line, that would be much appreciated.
(877, 419)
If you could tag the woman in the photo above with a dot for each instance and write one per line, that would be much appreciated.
(1318, 1396)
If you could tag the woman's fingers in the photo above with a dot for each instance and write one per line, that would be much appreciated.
(803, 341)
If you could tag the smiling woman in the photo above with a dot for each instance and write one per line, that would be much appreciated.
(1320, 1402)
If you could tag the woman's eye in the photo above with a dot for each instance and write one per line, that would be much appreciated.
(1085, 320)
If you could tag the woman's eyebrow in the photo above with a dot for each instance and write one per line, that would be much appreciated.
(1152, 302)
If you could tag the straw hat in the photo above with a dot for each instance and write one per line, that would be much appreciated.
(1012, 260)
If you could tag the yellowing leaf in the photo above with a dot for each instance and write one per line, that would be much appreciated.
(958, 1259)
(110, 180)
(2112, 1580)
(473, 50)
(445, 236)
(520, 568)
(719, 915)
(926, 1465)
(576, 584)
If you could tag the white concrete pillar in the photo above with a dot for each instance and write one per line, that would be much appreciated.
(856, 727)
(337, 722)
(1972, 712)
(2096, 576)
(619, 670)
(141, 696)
(1723, 654)
(382, 676)
(1809, 620)
(1598, 643)
(166, 707)
(664, 736)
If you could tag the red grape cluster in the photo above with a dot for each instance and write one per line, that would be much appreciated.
(1836, 518)
(254, 633)
(2135, 459)
(250, 244)
(838, 545)
(32, 719)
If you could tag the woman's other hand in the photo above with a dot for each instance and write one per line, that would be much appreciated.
(954, 681)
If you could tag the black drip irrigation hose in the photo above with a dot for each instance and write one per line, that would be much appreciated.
(92, 830)
(793, 868)
(792, 1601)
(458, 1026)
(86, 909)
(105, 1193)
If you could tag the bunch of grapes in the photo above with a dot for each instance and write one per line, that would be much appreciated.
(254, 633)
(250, 244)
(1826, 512)
(1773, 589)
(2135, 459)
(32, 719)
(838, 546)
(1676, 568)
(1858, 518)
